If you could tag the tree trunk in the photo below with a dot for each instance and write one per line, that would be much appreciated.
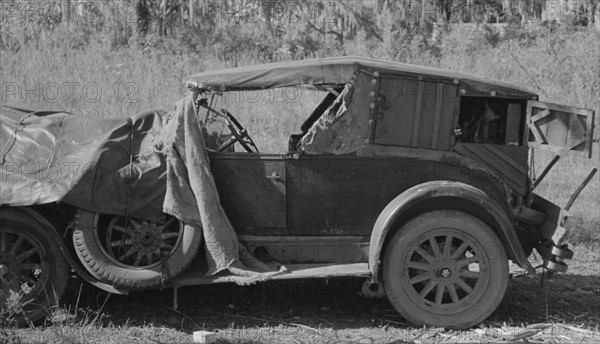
(423, 13)
(191, 8)
(143, 17)
(596, 16)
(66, 11)
(341, 30)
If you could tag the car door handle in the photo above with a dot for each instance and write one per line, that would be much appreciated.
(274, 176)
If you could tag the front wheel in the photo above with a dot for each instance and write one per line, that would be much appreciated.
(445, 268)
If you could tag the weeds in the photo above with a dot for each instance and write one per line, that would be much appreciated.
(12, 306)
(8, 310)
(65, 325)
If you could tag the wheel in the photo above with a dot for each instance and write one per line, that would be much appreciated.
(134, 254)
(33, 272)
(446, 269)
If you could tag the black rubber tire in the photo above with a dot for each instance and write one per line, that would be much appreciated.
(99, 263)
(403, 267)
(21, 235)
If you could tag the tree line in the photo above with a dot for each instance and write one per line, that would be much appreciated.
(336, 18)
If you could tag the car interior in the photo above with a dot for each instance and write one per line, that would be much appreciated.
(490, 120)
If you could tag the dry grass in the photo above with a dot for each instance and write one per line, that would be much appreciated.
(562, 309)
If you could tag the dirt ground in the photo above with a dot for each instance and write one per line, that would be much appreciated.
(563, 308)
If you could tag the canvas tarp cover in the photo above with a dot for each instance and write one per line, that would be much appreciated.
(83, 161)
(138, 167)
(325, 72)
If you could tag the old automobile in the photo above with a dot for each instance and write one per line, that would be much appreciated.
(413, 178)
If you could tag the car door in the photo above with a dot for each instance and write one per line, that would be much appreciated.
(252, 191)
(340, 195)
(560, 128)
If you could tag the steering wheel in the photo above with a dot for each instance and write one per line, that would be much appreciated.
(239, 134)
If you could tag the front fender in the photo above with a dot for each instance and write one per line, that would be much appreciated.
(479, 204)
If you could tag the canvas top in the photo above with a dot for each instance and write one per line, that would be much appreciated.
(334, 71)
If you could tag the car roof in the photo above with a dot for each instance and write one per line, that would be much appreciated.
(332, 71)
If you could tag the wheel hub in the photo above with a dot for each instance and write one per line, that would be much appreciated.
(147, 237)
(445, 273)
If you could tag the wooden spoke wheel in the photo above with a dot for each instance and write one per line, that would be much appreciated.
(445, 268)
(133, 253)
(33, 272)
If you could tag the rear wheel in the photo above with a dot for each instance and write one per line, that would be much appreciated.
(445, 268)
(134, 253)
(33, 272)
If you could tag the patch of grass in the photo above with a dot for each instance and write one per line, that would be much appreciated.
(565, 308)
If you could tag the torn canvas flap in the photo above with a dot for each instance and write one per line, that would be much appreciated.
(344, 127)
(192, 196)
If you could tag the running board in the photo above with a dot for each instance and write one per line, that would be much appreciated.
(294, 271)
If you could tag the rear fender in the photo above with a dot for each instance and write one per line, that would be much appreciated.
(443, 195)
(58, 242)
